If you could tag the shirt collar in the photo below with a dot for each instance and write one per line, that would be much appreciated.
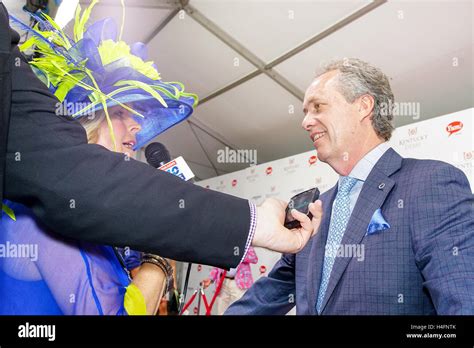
(363, 168)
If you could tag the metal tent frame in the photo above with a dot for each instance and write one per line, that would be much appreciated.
(261, 67)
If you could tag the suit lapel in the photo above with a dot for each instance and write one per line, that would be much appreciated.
(372, 196)
(316, 254)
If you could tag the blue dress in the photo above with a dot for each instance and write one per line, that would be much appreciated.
(42, 273)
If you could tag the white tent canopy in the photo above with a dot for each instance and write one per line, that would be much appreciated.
(250, 62)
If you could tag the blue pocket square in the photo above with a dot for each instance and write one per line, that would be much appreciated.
(377, 223)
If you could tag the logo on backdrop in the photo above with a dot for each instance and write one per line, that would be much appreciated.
(412, 131)
(262, 269)
(253, 175)
(322, 186)
(234, 183)
(291, 167)
(413, 140)
(312, 160)
(454, 127)
(273, 192)
(464, 162)
(269, 170)
(222, 186)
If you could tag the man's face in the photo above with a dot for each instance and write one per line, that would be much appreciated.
(332, 122)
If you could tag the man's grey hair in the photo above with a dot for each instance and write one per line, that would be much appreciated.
(356, 78)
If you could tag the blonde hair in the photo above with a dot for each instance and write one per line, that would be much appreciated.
(92, 125)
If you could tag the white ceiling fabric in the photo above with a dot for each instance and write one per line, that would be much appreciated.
(425, 47)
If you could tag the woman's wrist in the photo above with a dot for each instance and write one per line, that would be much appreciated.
(164, 265)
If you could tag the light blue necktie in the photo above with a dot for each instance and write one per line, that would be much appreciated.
(340, 217)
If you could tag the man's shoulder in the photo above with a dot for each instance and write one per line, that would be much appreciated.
(428, 166)
(429, 171)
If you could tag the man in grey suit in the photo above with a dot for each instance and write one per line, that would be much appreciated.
(397, 235)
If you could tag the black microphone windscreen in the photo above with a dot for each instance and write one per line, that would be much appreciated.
(157, 154)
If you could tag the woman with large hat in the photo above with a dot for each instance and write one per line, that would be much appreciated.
(120, 99)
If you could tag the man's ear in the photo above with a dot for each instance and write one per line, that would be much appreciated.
(366, 106)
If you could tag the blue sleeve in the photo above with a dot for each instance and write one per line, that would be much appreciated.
(83, 278)
(443, 238)
(269, 295)
(132, 258)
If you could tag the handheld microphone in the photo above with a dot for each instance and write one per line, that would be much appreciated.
(158, 156)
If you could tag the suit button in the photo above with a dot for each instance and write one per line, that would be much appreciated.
(381, 186)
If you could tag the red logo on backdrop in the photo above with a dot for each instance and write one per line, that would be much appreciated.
(195, 310)
(454, 127)
(263, 269)
(312, 160)
(199, 268)
(269, 170)
(468, 155)
(234, 183)
(412, 131)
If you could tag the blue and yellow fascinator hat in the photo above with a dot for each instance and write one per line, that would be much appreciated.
(98, 70)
